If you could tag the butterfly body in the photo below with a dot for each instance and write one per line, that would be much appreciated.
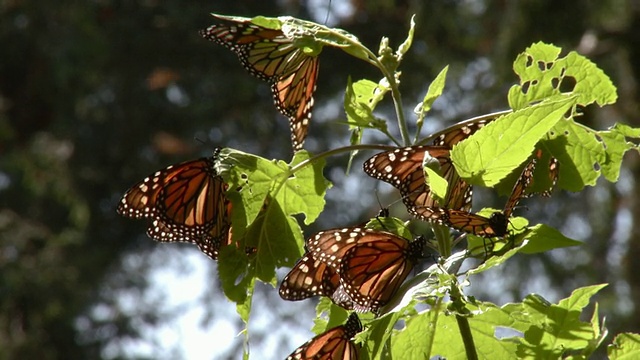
(403, 168)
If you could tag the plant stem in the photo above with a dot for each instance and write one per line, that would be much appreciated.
(339, 150)
(397, 103)
(463, 323)
(467, 338)
(395, 91)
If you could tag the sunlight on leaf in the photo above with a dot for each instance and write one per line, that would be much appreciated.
(543, 238)
(507, 142)
(560, 329)
(267, 187)
(625, 346)
(404, 47)
(542, 75)
(435, 90)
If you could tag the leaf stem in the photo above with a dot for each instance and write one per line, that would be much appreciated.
(467, 338)
(397, 103)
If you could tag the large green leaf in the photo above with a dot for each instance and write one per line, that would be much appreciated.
(557, 329)
(265, 195)
(494, 151)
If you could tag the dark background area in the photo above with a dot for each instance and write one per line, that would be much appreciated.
(95, 95)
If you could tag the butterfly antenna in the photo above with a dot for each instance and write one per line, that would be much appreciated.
(326, 19)
(204, 142)
(384, 210)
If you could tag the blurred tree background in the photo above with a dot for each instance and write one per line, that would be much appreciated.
(95, 95)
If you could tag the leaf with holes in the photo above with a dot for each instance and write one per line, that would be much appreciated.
(542, 75)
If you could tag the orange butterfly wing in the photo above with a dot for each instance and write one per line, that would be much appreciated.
(403, 168)
(333, 344)
(186, 203)
(310, 277)
(373, 270)
(271, 56)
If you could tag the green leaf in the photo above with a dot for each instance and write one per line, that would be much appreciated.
(496, 149)
(404, 47)
(233, 264)
(272, 189)
(599, 332)
(561, 331)
(585, 153)
(592, 84)
(275, 247)
(501, 252)
(320, 35)
(543, 238)
(244, 308)
(483, 329)
(386, 56)
(415, 340)
(378, 334)
(543, 75)
(390, 224)
(626, 346)
(579, 152)
(435, 90)
(267, 22)
(434, 333)
(615, 145)
(359, 105)
(360, 100)
(336, 316)
(437, 184)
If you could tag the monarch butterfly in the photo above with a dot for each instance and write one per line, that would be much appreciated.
(186, 203)
(493, 226)
(333, 344)
(271, 56)
(371, 264)
(310, 277)
(403, 168)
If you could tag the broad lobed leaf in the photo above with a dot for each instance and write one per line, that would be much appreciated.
(265, 195)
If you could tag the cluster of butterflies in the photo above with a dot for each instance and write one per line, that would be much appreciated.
(186, 201)
(359, 269)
